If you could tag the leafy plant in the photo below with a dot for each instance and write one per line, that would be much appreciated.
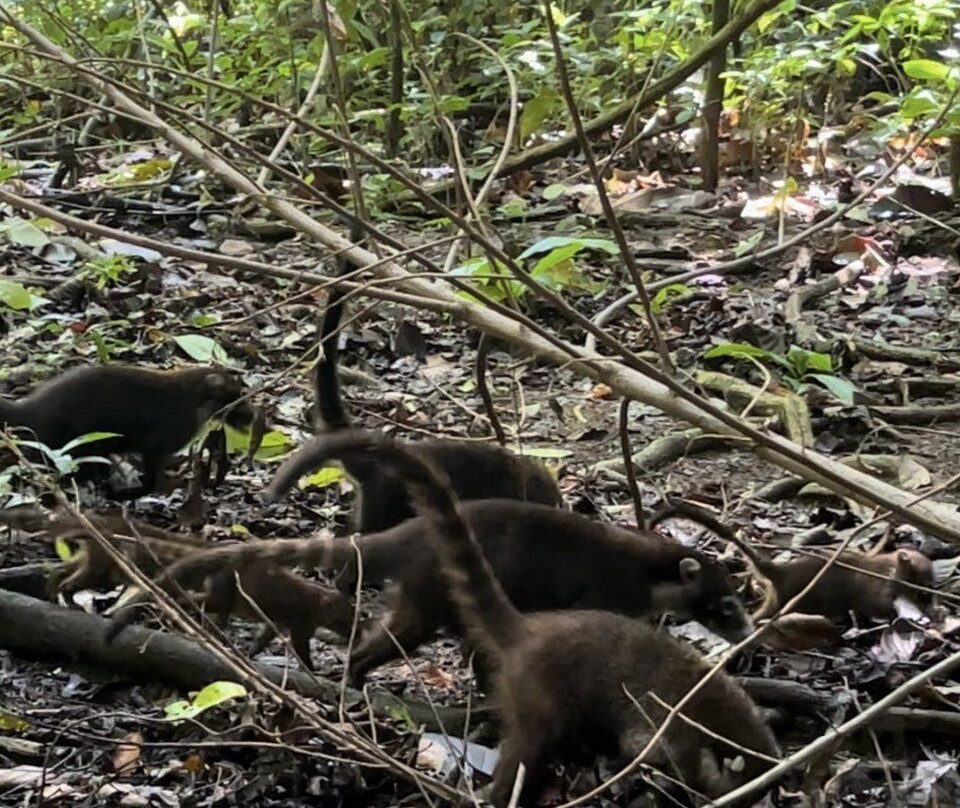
(802, 367)
(108, 270)
(556, 269)
(63, 462)
(17, 297)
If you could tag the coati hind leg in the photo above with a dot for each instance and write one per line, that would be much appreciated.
(406, 627)
(528, 742)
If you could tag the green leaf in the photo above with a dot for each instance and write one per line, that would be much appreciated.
(555, 242)
(63, 549)
(662, 298)
(841, 389)
(24, 233)
(537, 110)
(736, 350)
(803, 361)
(323, 478)
(8, 171)
(273, 444)
(926, 69)
(90, 437)
(17, 297)
(553, 191)
(204, 320)
(748, 245)
(202, 348)
(212, 695)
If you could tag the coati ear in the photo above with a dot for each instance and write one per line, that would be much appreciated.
(690, 570)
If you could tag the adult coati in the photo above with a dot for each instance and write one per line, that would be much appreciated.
(866, 585)
(475, 471)
(153, 412)
(571, 680)
(544, 558)
(289, 602)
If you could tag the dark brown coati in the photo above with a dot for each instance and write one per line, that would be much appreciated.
(476, 471)
(544, 558)
(574, 680)
(289, 602)
(154, 412)
(848, 586)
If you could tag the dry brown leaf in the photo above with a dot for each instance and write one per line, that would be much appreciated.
(127, 756)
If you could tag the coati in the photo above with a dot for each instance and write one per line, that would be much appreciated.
(570, 680)
(841, 590)
(288, 601)
(154, 412)
(475, 471)
(544, 558)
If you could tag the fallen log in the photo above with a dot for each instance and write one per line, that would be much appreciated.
(39, 629)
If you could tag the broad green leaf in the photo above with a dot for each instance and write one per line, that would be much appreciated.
(804, 361)
(555, 242)
(202, 348)
(204, 320)
(62, 548)
(553, 191)
(8, 171)
(274, 443)
(212, 695)
(324, 477)
(14, 296)
(24, 233)
(842, 389)
(926, 69)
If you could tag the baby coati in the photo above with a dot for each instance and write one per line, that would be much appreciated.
(573, 680)
(475, 471)
(544, 558)
(289, 602)
(154, 412)
(842, 589)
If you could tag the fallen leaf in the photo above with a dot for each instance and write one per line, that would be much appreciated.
(127, 757)
(433, 676)
(896, 646)
(601, 391)
(798, 632)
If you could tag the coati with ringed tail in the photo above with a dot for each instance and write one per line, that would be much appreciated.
(847, 586)
(570, 680)
(154, 412)
(475, 471)
(544, 558)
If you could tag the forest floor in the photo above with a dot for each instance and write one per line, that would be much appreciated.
(422, 382)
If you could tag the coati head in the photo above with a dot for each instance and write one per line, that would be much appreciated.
(223, 390)
(703, 593)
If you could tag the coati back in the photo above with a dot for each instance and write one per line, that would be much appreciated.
(568, 679)
(476, 471)
(842, 588)
(544, 558)
(154, 412)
